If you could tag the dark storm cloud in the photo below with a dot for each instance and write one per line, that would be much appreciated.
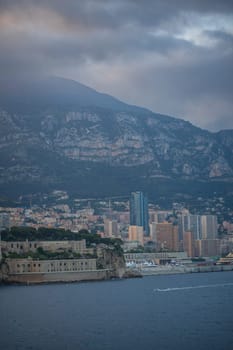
(172, 56)
(23, 49)
(112, 13)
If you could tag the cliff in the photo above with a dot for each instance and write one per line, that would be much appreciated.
(112, 259)
(59, 134)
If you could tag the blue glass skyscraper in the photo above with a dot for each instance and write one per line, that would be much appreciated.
(139, 214)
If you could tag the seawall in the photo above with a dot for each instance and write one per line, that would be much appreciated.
(53, 277)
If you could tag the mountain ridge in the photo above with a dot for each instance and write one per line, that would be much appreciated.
(72, 128)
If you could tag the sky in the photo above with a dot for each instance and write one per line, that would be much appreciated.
(174, 57)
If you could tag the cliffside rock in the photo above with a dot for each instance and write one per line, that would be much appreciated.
(62, 134)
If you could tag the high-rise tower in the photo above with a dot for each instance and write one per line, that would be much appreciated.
(139, 215)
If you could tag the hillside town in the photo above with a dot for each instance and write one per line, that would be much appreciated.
(142, 226)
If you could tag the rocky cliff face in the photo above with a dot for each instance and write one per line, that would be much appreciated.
(109, 258)
(44, 145)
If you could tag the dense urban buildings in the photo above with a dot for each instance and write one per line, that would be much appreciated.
(141, 227)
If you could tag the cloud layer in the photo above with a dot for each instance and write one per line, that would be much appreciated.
(174, 57)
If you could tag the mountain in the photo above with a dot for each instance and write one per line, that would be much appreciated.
(33, 95)
(59, 134)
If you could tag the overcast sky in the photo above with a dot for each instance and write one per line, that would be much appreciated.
(174, 57)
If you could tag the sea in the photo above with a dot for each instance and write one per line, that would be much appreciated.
(185, 312)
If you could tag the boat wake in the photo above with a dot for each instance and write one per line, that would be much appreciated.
(193, 287)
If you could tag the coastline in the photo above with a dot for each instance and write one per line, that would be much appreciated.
(170, 270)
(66, 277)
(104, 275)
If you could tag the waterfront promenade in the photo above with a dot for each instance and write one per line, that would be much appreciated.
(170, 269)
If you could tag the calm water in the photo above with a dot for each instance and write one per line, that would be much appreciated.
(157, 312)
